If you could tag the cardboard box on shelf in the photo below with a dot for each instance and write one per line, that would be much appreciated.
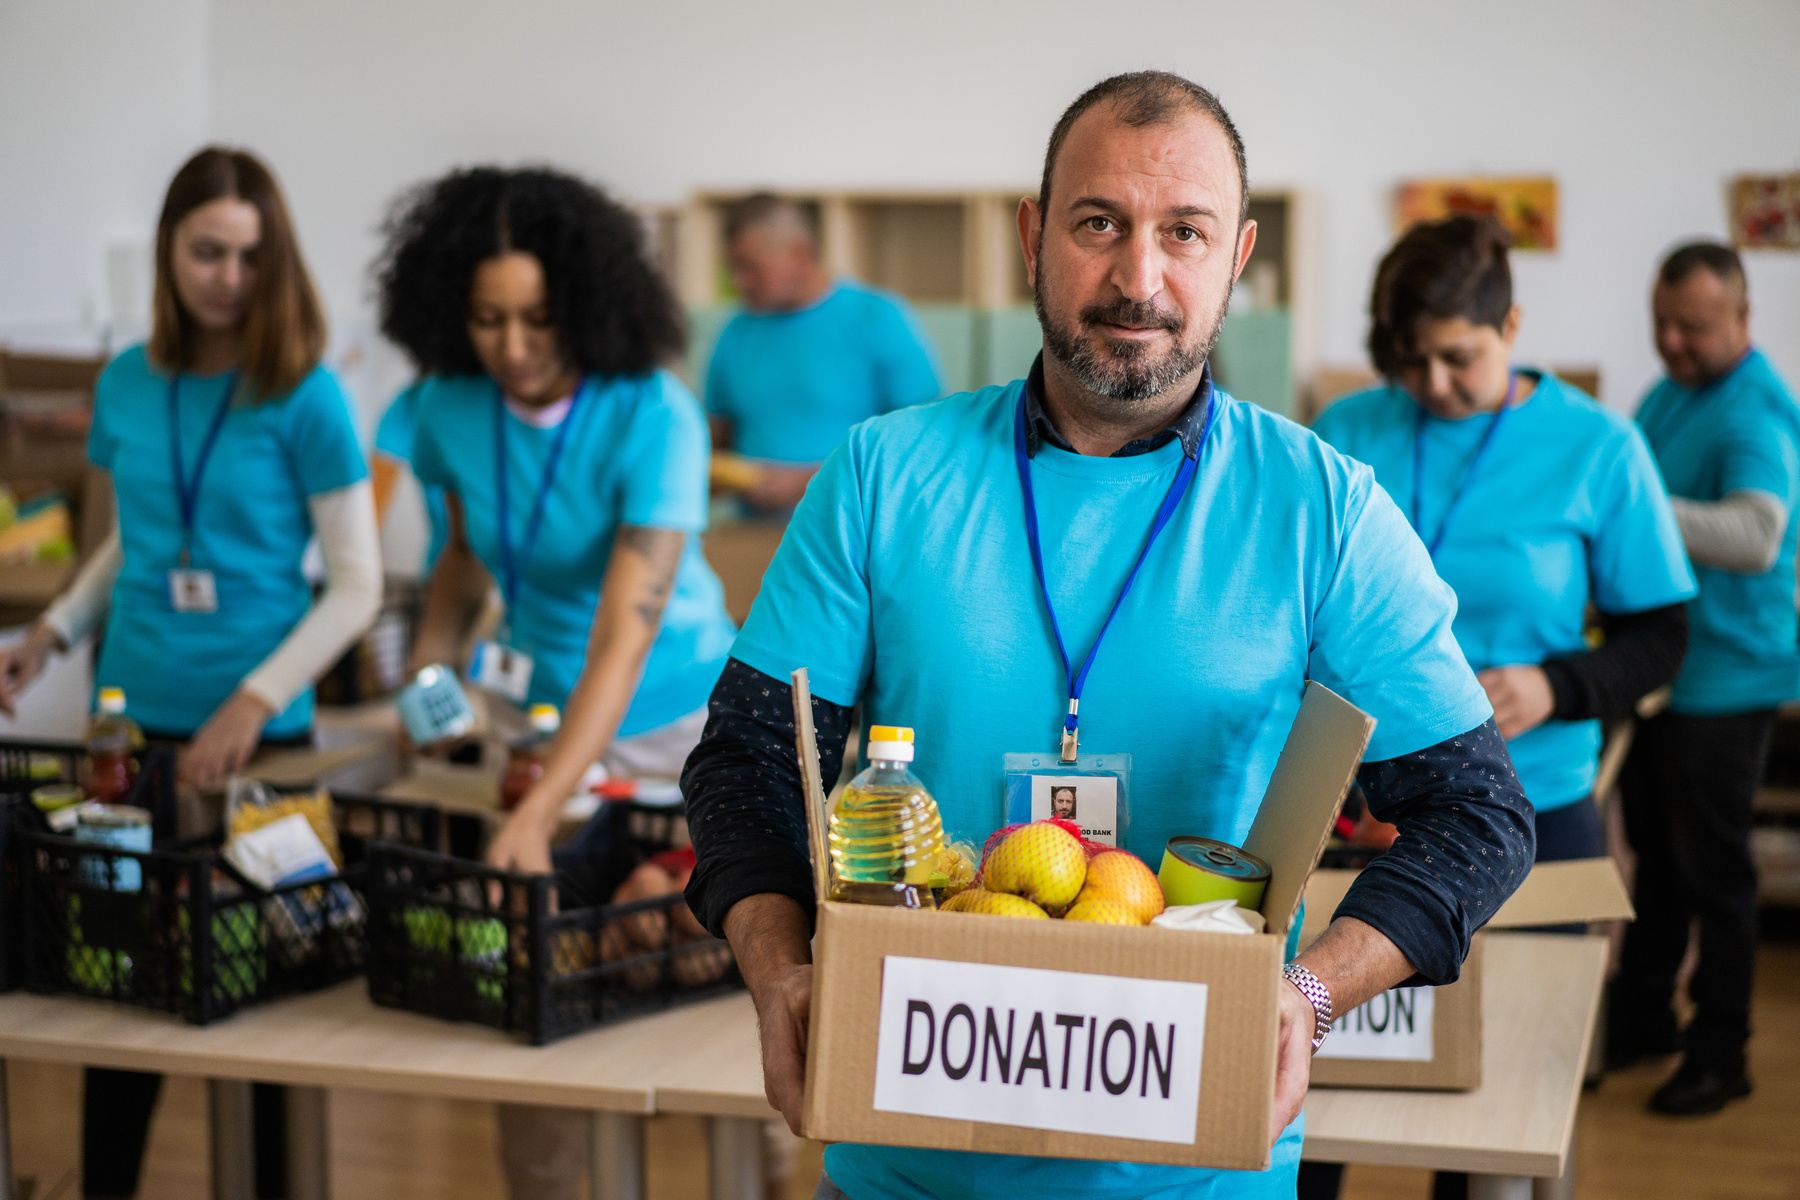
(1430, 1037)
(963, 1032)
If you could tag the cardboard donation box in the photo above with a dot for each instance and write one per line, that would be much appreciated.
(960, 1031)
(1430, 1037)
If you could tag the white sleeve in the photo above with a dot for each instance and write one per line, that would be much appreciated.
(79, 610)
(1740, 533)
(351, 545)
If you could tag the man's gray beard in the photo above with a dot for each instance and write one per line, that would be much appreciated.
(1123, 377)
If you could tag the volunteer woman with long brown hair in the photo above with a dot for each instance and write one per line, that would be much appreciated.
(229, 446)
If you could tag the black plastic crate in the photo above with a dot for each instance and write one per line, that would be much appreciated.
(539, 955)
(25, 766)
(179, 929)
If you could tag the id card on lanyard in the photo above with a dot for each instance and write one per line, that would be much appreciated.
(1481, 448)
(1091, 790)
(501, 665)
(192, 589)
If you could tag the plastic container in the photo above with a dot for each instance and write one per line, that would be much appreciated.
(195, 937)
(112, 740)
(434, 707)
(525, 757)
(885, 832)
(537, 955)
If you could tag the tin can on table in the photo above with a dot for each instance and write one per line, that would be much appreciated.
(124, 827)
(1196, 870)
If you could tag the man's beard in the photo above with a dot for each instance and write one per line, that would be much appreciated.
(1124, 371)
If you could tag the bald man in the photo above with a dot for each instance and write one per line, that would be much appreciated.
(808, 357)
(1726, 434)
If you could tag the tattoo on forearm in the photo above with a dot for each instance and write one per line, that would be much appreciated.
(661, 551)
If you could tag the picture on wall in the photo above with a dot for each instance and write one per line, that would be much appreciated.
(1525, 205)
(1765, 212)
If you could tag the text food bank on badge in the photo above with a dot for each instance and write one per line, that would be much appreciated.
(1053, 1050)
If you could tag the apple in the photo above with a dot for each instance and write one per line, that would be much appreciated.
(1102, 911)
(1004, 904)
(1121, 876)
(1042, 862)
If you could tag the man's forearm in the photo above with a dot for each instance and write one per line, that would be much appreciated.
(768, 933)
(1355, 961)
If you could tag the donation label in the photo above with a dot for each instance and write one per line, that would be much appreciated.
(1394, 1026)
(1056, 1050)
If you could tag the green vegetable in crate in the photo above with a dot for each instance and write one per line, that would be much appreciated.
(94, 969)
(480, 941)
(239, 968)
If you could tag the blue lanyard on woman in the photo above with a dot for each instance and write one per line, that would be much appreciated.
(1462, 485)
(1184, 476)
(187, 490)
(512, 567)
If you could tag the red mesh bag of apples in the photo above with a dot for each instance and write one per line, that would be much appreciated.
(1047, 869)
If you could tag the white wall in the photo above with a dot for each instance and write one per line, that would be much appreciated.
(1641, 110)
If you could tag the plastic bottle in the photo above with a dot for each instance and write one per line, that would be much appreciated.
(525, 757)
(112, 736)
(885, 830)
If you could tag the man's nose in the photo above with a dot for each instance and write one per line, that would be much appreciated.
(1138, 270)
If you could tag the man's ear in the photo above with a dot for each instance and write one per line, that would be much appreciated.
(1031, 234)
(1246, 243)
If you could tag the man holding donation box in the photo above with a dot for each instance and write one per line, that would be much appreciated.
(1116, 530)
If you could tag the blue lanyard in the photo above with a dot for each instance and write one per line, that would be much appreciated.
(187, 491)
(1437, 541)
(511, 567)
(1184, 476)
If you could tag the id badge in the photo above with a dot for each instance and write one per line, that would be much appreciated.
(1093, 792)
(501, 669)
(193, 591)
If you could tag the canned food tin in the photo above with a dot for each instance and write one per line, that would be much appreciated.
(53, 796)
(121, 826)
(1196, 870)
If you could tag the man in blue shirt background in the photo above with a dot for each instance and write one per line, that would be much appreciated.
(1726, 434)
(808, 357)
(907, 583)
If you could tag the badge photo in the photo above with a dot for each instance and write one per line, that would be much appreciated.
(501, 669)
(193, 591)
(1091, 793)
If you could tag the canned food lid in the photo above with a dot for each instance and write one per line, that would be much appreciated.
(115, 816)
(1221, 858)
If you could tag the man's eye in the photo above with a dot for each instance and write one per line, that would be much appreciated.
(1099, 224)
(1185, 233)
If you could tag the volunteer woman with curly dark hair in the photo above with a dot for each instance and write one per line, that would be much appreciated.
(574, 472)
(1533, 501)
(229, 446)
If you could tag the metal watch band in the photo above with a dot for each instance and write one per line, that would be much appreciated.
(1317, 995)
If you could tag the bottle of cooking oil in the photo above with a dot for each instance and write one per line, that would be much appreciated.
(112, 739)
(885, 832)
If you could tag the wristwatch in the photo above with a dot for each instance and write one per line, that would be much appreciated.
(1317, 995)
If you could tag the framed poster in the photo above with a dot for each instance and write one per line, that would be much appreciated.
(1765, 212)
(1524, 205)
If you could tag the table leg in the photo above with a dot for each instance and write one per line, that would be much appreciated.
(7, 1183)
(1500, 1187)
(615, 1156)
(308, 1143)
(233, 1140)
(1563, 1187)
(738, 1170)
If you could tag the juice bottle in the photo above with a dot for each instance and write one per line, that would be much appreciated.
(885, 831)
(525, 757)
(112, 736)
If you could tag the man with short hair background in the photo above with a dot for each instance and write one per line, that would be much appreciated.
(1726, 434)
(809, 356)
(908, 582)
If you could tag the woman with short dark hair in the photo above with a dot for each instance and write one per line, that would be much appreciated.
(574, 473)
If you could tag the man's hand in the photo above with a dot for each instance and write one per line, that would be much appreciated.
(1293, 1057)
(768, 935)
(1521, 697)
(781, 487)
(225, 743)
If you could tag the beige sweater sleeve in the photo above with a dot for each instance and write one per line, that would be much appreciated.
(79, 610)
(351, 544)
(1740, 533)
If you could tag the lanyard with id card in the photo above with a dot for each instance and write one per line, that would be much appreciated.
(500, 665)
(1093, 791)
(192, 589)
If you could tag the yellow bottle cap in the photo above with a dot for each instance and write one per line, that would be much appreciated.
(890, 733)
(545, 718)
(112, 700)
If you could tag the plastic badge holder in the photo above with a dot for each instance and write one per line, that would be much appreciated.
(434, 707)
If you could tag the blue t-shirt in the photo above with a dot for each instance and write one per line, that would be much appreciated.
(394, 437)
(636, 455)
(1564, 507)
(1739, 433)
(251, 528)
(905, 582)
(794, 383)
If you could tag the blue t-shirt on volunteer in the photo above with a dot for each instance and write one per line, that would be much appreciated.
(905, 582)
(793, 384)
(636, 455)
(1738, 433)
(251, 527)
(1565, 506)
(394, 436)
